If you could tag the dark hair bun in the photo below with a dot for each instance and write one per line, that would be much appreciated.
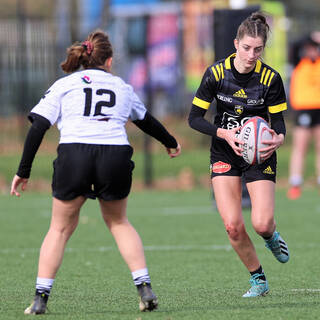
(256, 16)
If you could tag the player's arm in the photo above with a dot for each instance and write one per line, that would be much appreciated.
(276, 102)
(155, 129)
(201, 104)
(33, 140)
(278, 124)
(197, 121)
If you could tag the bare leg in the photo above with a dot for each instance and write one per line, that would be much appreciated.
(301, 138)
(316, 134)
(126, 237)
(262, 216)
(65, 216)
(227, 192)
(262, 213)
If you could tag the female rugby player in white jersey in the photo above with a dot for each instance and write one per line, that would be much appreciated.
(91, 108)
(243, 87)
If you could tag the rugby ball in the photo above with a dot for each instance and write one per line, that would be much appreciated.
(252, 133)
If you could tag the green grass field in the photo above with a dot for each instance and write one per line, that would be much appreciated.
(197, 160)
(193, 270)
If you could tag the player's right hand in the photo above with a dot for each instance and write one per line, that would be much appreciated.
(174, 152)
(16, 181)
(232, 138)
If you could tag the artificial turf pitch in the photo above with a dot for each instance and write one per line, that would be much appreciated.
(193, 270)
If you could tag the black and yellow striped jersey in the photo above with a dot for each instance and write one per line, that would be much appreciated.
(240, 96)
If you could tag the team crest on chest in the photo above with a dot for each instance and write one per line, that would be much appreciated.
(238, 109)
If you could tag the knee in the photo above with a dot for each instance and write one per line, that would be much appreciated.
(235, 232)
(64, 232)
(66, 227)
(264, 228)
(112, 222)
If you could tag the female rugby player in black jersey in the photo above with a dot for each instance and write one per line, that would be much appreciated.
(243, 86)
(91, 107)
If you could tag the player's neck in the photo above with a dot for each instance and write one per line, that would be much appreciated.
(240, 67)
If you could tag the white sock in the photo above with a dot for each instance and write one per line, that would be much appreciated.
(44, 285)
(295, 180)
(140, 276)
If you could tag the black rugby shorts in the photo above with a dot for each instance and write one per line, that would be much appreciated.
(307, 118)
(102, 171)
(224, 162)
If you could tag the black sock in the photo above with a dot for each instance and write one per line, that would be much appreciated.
(42, 292)
(259, 271)
(268, 237)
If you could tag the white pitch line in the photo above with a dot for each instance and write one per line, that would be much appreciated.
(305, 290)
(147, 248)
(173, 247)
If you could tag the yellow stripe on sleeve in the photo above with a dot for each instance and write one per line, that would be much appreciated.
(219, 72)
(266, 77)
(263, 72)
(272, 74)
(278, 108)
(215, 73)
(221, 68)
(201, 103)
(227, 61)
(258, 66)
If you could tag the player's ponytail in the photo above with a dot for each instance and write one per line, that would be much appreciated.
(91, 53)
(74, 57)
(254, 26)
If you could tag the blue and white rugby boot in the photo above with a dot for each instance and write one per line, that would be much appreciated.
(278, 247)
(258, 288)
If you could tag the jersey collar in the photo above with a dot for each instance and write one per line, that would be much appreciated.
(227, 63)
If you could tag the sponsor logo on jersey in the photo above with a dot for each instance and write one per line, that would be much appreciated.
(253, 102)
(224, 98)
(86, 79)
(240, 94)
(268, 170)
(238, 109)
(230, 121)
(220, 167)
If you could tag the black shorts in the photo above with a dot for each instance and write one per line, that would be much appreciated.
(224, 162)
(103, 171)
(307, 118)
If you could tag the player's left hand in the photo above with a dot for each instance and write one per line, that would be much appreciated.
(272, 145)
(174, 152)
(16, 181)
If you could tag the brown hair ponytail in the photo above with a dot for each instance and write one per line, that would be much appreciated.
(254, 26)
(91, 53)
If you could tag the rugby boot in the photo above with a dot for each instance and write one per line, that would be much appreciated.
(148, 300)
(38, 305)
(259, 287)
(278, 247)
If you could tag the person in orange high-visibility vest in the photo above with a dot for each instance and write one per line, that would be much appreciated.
(305, 100)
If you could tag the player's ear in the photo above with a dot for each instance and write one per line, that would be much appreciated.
(108, 64)
(236, 43)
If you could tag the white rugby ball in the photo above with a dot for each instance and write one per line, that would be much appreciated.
(252, 133)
